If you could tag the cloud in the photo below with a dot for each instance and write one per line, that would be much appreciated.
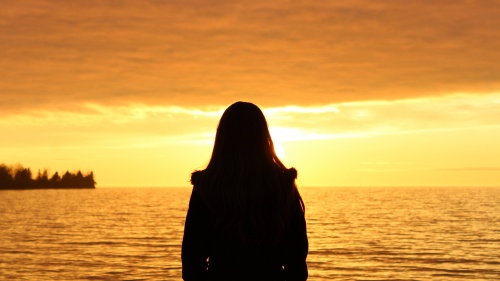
(194, 53)
(406, 116)
(470, 169)
(145, 125)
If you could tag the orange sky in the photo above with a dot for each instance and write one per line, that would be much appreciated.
(356, 92)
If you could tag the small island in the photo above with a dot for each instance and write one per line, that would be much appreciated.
(18, 178)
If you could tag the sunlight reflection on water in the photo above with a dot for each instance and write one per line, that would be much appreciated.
(354, 234)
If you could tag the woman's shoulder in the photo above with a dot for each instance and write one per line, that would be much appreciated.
(196, 178)
(196, 181)
(289, 175)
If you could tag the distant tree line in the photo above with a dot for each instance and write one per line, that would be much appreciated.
(21, 178)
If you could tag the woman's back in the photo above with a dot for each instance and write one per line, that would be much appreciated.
(246, 217)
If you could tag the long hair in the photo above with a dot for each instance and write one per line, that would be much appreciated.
(248, 190)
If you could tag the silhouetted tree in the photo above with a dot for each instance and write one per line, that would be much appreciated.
(21, 178)
(55, 180)
(42, 179)
(67, 180)
(6, 180)
(78, 180)
(89, 180)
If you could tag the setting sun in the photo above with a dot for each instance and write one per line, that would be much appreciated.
(280, 151)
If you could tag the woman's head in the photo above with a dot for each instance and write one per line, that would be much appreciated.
(248, 190)
(243, 136)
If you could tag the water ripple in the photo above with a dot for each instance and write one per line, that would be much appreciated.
(355, 234)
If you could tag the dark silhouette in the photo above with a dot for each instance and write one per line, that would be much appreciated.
(22, 178)
(246, 217)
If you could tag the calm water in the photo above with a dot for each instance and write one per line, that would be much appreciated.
(354, 234)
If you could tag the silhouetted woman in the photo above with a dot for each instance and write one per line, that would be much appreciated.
(246, 217)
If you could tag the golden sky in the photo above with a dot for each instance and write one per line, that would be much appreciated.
(364, 93)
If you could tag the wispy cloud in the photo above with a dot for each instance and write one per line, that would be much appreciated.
(139, 124)
(470, 169)
(356, 119)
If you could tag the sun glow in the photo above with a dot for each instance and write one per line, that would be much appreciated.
(399, 142)
(279, 149)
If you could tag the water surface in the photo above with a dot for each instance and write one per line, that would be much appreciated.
(354, 233)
